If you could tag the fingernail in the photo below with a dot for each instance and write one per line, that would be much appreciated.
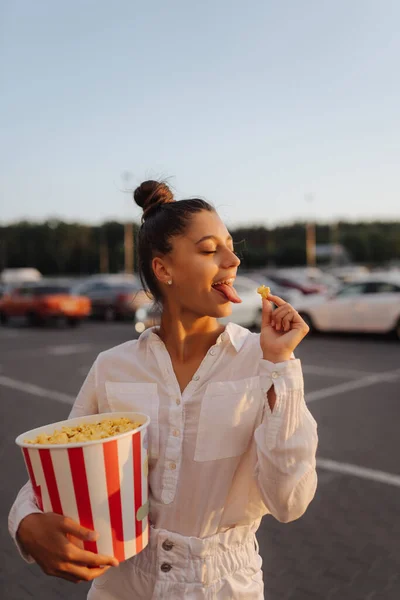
(273, 323)
(92, 536)
(115, 563)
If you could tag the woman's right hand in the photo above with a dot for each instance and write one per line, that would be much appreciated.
(52, 541)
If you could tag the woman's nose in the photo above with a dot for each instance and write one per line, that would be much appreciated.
(232, 259)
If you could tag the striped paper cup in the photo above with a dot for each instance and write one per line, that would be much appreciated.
(100, 484)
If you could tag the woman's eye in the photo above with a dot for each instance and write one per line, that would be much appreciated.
(209, 252)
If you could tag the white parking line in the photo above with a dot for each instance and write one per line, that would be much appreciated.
(356, 471)
(35, 390)
(335, 372)
(348, 386)
(59, 350)
(9, 334)
(68, 349)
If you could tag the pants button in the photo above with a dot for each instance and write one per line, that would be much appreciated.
(167, 545)
(165, 567)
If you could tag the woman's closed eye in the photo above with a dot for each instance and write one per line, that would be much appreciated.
(214, 251)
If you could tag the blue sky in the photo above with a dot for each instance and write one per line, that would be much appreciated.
(254, 105)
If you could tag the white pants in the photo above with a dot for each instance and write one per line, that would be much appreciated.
(225, 566)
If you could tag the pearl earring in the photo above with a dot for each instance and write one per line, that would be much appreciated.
(169, 282)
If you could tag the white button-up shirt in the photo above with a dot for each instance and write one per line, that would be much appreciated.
(219, 457)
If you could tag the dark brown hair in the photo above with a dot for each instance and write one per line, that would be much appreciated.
(163, 218)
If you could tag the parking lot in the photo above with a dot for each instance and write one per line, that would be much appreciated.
(346, 547)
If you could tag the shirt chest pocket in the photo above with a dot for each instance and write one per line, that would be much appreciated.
(137, 397)
(228, 417)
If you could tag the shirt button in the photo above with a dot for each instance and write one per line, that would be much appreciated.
(275, 375)
(176, 433)
(196, 377)
(178, 401)
(213, 352)
(172, 466)
(165, 567)
(167, 545)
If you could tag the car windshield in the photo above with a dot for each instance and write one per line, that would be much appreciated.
(50, 289)
(127, 287)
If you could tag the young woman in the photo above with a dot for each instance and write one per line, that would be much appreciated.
(231, 438)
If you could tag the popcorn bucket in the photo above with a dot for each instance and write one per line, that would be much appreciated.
(101, 484)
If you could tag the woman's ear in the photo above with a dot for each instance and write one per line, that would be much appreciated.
(161, 271)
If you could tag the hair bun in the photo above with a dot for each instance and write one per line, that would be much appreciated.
(152, 194)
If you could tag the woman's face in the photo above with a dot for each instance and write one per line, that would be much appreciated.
(200, 258)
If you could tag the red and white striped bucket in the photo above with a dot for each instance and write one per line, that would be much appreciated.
(102, 484)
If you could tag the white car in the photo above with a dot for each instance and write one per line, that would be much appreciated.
(368, 305)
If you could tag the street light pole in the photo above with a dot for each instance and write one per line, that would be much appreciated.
(128, 232)
(128, 244)
(310, 237)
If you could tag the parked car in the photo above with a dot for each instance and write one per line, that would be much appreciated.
(295, 281)
(367, 305)
(349, 273)
(42, 302)
(114, 299)
(20, 276)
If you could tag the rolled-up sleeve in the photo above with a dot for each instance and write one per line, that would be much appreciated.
(25, 503)
(286, 442)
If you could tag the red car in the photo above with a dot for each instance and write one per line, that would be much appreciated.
(40, 303)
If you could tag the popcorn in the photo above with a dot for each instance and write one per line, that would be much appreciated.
(264, 291)
(87, 432)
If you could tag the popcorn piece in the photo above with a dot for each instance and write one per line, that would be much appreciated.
(87, 432)
(264, 291)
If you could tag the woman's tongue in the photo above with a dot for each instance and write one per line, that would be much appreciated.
(228, 291)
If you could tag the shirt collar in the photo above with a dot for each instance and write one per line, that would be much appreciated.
(235, 334)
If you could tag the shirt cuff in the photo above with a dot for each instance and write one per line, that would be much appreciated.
(284, 376)
(287, 379)
(17, 514)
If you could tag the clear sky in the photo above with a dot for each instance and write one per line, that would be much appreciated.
(253, 105)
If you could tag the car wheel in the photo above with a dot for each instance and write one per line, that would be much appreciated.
(72, 322)
(3, 319)
(33, 319)
(308, 320)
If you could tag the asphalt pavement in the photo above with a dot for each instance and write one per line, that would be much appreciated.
(346, 546)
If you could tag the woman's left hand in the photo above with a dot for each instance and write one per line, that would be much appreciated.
(282, 329)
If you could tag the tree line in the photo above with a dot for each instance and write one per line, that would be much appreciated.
(59, 248)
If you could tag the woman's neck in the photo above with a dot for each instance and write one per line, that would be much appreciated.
(188, 338)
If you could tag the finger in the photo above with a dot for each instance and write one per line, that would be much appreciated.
(280, 312)
(266, 313)
(90, 559)
(80, 573)
(287, 321)
(67, 577)
(278, 316)
(82, 533)
(283, 308)
(277, 300)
